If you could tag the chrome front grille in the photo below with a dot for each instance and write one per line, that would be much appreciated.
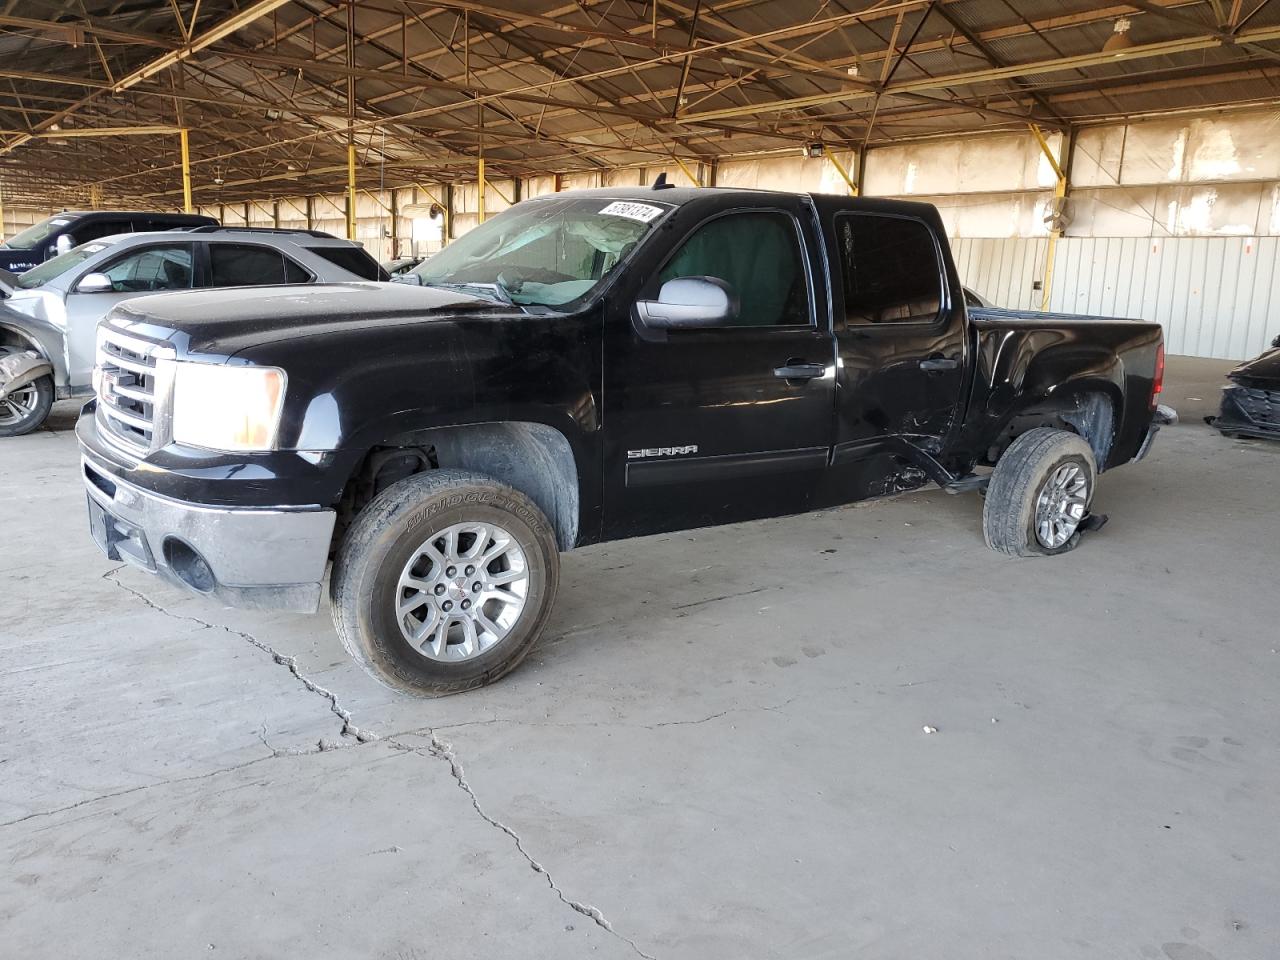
(132, 389)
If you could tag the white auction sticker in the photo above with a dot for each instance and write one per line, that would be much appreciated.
(632, 211)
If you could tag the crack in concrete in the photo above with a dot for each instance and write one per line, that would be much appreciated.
(349, 729)
(443, 750)
(573, 724)
(138, 789)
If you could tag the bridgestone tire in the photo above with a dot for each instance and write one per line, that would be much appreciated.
(1008, 512)
(33, 420)
(366, 573)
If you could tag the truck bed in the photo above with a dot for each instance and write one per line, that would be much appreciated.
(1041, 316)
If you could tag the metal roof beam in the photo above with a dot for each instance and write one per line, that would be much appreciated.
(210, 36)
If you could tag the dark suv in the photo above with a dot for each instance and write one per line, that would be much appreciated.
(58, 234)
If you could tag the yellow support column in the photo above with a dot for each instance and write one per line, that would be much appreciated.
(351, 191)
(95, 196)
(844, 173)
(687, 172)
(1059, 192)
(186, 172)
(480, 184)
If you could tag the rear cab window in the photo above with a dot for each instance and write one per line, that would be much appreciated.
(890, 270)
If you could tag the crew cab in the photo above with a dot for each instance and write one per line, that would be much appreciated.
(586, 366)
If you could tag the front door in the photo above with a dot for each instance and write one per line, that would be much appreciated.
(155, 268)
(716, 425)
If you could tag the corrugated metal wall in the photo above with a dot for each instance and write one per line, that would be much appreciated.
(1214, 296)
(1002, 269)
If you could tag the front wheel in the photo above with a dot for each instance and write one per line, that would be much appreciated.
(1039, 494)
(444, 582)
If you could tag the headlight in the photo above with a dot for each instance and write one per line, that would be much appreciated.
(227, 408)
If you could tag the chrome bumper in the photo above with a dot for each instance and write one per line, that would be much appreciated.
(236, 555)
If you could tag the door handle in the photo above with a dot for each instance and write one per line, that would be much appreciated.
(939, 363)
(799, 370)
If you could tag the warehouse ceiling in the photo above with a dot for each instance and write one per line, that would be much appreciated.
(272, 91)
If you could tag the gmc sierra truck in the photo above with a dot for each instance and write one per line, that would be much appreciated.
(585, 367)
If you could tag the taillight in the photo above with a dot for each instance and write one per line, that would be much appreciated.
(1157, 382)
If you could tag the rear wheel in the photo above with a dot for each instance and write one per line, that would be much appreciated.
(26, 407)
(444, 582)
(1039, 494)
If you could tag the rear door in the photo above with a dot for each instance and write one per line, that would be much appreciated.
(704, 426)
(901, 342)
(142, 270)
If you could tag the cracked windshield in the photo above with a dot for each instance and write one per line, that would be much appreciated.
(547, 253)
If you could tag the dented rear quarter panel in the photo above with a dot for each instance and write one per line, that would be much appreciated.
(1024, 359)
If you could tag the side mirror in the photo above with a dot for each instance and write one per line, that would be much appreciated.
(95, 283)
(690, 303)
(64, 243)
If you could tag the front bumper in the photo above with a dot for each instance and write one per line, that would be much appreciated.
(1249, 412)
(1162, 417)
(260, 558)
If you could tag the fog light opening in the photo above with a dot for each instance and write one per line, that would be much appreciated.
(189, 566)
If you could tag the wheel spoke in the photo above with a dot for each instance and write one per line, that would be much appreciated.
(470, 642)
(502, 544)
(505, 577)
(481, 530)
(440, 638)
(428, 625)
(502, 596)
(489, 627)
(409, 604)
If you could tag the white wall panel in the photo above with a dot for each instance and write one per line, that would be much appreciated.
(1002, 270)
(1212, 295)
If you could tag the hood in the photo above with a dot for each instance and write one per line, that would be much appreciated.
(224, 322)
(1261, 373)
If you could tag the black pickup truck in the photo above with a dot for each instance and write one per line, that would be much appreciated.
(585, 367)
(58, 234)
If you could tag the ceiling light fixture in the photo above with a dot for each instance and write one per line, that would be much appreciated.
(1119, 39)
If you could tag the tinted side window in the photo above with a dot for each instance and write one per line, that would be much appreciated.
(759, 256)
(97, 229)
(352, 259)
(890, 270)
(245, 265)
(152, 268)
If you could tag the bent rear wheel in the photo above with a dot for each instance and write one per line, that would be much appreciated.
(1039, 495)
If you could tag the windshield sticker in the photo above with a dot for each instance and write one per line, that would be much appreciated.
(642, 212)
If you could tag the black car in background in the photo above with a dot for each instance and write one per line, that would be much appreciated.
(1251, 403)
(58, 234)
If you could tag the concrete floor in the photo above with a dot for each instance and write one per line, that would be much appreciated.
(716, 751)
